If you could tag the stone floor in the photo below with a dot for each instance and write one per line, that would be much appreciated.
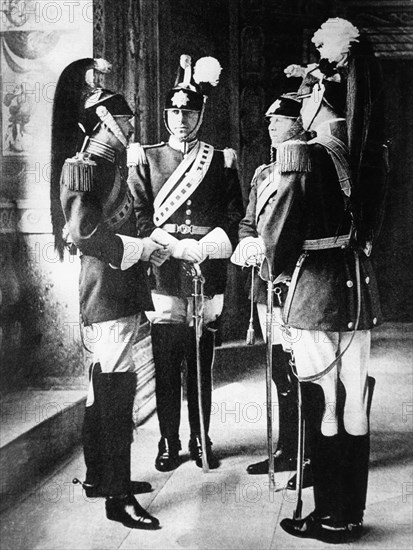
(227, 508)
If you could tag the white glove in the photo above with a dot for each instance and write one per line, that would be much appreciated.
(188, 250)
(250, 251)
(159, 257)
(149, 247)
(216, 245)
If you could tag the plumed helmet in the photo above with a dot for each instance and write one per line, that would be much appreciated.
(287, 105)
(193, 86)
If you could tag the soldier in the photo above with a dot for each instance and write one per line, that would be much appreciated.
(187, 198)
(113, 283)
(332, 299)
(285, 131)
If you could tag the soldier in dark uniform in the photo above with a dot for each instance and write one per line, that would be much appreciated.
(187, 198)
(285, 130)
(333, 301)
(113, 287)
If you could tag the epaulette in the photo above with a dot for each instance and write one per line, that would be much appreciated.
(135, 155)
(259, 170)
(293, 156)
(230, 158)
(78, 173)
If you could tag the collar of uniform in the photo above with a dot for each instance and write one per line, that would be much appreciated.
(332, 127)
(183, 146)
(101, 149)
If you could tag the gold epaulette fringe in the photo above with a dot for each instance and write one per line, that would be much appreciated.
(293, 156)
(230, 158)
(78, 173)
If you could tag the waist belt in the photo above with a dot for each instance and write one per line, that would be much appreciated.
(186, 229)
(342, 241)
(121, 214)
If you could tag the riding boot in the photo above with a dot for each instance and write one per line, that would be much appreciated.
(168, 353)
(207, 355)
(114, 393)
(356, 451)
(206, 346)
(91, 437)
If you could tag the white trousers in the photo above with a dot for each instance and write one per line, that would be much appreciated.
(316, 350)
(111, 343)
(278, 328)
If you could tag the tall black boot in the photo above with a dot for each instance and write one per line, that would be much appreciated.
(168, 345)
(91, 439)
(207, 344)
(115, 394)
(356, 451)
(285, 456)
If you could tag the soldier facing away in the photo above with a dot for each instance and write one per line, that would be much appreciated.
(113, 284)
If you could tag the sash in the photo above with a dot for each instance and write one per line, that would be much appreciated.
(172, 196)
(267, 188)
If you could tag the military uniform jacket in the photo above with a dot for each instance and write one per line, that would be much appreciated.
(106, 292)
(323, 293)
(264, 184)
(217, 202)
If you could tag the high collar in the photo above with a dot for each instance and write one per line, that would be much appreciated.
(335, 127)
(183, 146)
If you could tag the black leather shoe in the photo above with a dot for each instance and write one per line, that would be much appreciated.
(195, 450)
(324, 529)
(307, 478)
(127, 510)
(94, 491)
(168, 455)
(282, 463)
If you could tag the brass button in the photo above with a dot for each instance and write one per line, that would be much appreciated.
(367, 279)
(189, 202)
(349, 284)
(188, 212)
(375, 321)
(350, 325)
(188, 222)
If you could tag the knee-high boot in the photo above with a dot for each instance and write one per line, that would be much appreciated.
(91, 438)
(168, 354)
(326, 457)
(115, 394)
(356, 451)
(207, 344)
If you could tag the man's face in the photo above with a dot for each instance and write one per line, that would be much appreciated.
(279, 128)
(182, 123)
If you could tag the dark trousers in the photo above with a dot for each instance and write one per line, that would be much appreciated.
(173, 344)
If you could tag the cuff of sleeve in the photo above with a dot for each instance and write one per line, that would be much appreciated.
(132, 251)
(216, 245)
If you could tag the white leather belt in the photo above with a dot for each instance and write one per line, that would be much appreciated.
(186, 229)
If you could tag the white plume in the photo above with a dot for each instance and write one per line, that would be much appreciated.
(207, 69)
(334, 38)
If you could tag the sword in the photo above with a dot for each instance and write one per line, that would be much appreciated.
(198, 282)
(300, 455)
(270, 296)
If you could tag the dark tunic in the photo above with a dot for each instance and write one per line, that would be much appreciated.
(105, 293)
(217, 202)
(310, 205)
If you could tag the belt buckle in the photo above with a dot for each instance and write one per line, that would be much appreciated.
(184, 229)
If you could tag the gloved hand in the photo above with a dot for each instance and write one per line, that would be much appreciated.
(188, 250)
(160, 256)
(149, 247)
(250, 251)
